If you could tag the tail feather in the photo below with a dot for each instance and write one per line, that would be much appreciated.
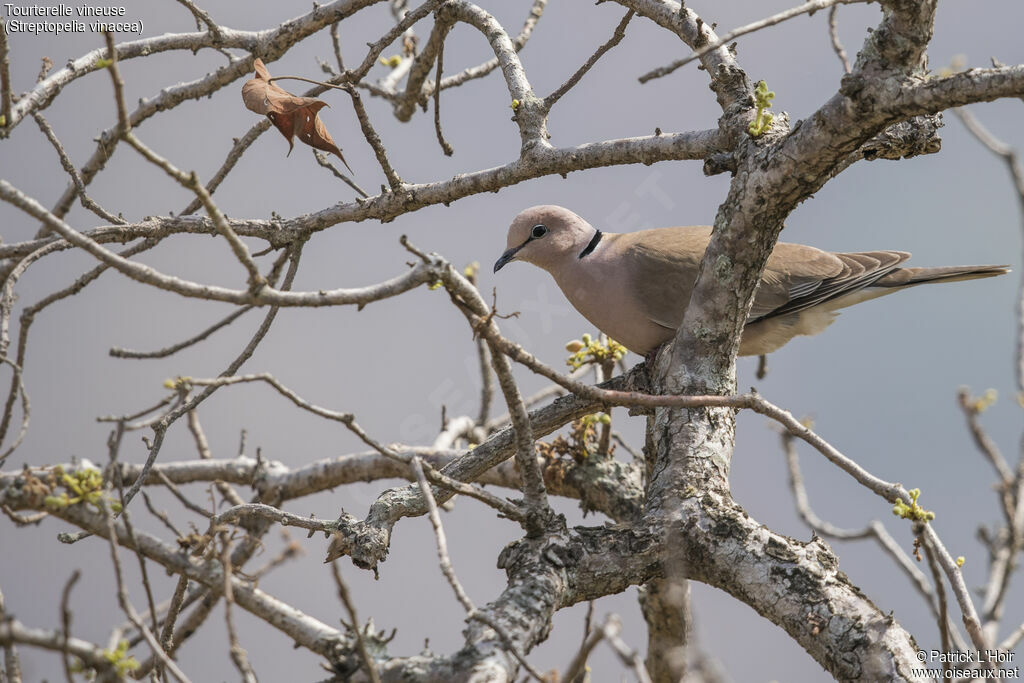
(904, 277)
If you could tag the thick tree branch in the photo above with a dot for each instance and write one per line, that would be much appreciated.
(387, 206)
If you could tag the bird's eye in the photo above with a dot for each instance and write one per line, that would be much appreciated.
(538, 231)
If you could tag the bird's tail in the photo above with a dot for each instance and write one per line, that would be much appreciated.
(905, 277)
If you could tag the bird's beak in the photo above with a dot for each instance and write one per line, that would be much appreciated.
(507, 257)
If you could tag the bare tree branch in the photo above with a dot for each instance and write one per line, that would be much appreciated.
(674, 518)
(806, 8)
(6, 96)
(617, 35)
(833, 34)
(357, 628)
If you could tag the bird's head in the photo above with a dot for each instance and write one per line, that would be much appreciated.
(546, 236)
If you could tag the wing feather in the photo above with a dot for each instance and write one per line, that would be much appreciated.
(664, 265)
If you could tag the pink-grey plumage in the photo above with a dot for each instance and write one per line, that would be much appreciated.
(635, 286)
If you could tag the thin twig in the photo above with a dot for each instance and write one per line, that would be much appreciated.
(336, 44)
(617, 36)
(550, 391)
(348, 419)
(449, 571)
(173, 488)
(803, 506)
(136, 415)
(123, 122)
(21, 520)
(65, 622)
(1009, 155)
(518, 43)
(445, 146)
(28, 316)
(1004, 552)
(291, 551)
(238, 148)
(114, 448)
(806, 8)
(442, 543)
(940, 594)
(357, 625)
(143, 571)
(604, 443)
(611, 629)
(467, 299)
(203, 447)
(203, 17)
(417, 86)
(159, 514)
(173, 609)
(833, 34)
(916, 576)
(238, 653)
(321, 158)
(622, 443)
(486, 384)
(376, 48)
(271, 277)
(234, 515)
(1011, 640)
(394, 181)
(591, 638)
(982, 440)
(160, 429)
(76, 178)
(12, 663)
(6, 96)
(190, 181)
(955, 576)
(17, 383)
(126, 606)
(322, 84)
(118, 352)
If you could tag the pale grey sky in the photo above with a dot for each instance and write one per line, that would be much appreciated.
(880, 383)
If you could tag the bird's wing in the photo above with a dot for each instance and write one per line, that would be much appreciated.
(662, 266)
(799, 277)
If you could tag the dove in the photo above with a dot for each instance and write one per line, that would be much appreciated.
(635, 286)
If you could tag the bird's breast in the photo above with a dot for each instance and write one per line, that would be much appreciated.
(608, 300)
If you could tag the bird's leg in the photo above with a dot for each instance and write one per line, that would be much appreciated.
(762, 366)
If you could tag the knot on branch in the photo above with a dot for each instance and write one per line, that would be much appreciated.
(720, 163)
(346, 659)
(906, 139)
(554, 550)
(266, 478)
(365, 543)
(28, 491)
(608, 486)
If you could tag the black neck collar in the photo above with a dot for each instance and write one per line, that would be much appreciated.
(595, 240)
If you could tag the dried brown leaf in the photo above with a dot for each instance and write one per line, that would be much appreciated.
(294, 116)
